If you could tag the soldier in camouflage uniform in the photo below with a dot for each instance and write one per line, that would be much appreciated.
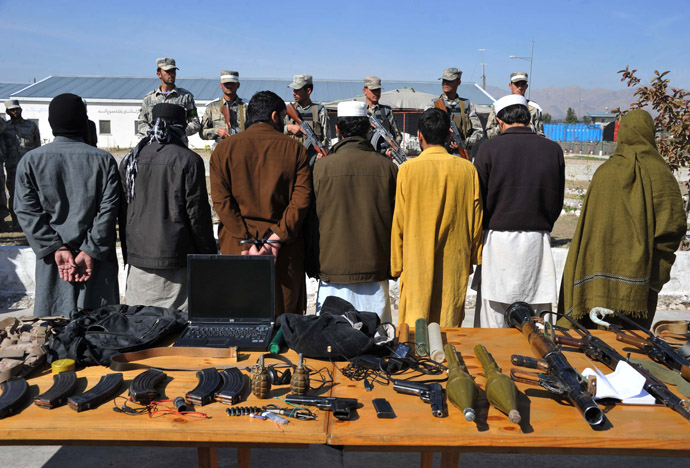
(4, 211)
(214, 125)
(384, 114)
(460, 110)
(171, 94)
(315, 115)
(518, 85)
(20, 136)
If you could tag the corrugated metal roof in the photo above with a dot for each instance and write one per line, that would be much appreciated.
(8, 88)
(207, 89)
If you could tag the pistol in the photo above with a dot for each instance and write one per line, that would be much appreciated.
(429, 393)
(341, 407)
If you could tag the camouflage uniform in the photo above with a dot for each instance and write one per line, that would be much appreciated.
(468, 121)
(384, 114)
(3, 197)
(18, 138)
(536, 122)
(316, 116)
(214, 119)
(179, 96)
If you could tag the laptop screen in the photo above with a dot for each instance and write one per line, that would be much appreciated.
(231, 288)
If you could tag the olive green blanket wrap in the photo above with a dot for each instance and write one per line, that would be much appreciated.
(631, 223)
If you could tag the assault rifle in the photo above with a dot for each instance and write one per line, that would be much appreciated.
(381, 132)
(455, 134)
(656, 348)
(597, 349)
(309, 135)
(561, 379)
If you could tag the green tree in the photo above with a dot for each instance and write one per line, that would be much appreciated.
(586, 120)
(547, 118)
(570, 116)
(672, 121)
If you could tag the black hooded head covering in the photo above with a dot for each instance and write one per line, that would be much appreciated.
(67, 115)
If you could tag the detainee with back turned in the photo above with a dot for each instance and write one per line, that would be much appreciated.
(67, 200)
(631, 224)
(354, 191)
(522, 176)
(261, 189)
(437, 228)
(165, 213)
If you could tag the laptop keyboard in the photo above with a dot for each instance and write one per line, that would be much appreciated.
(237, 332)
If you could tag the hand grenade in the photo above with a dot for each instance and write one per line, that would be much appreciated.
(261, 383)
(299, 384)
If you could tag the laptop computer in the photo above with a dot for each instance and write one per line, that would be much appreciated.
(231, 301)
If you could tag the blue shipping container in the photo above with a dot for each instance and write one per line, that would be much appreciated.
(573, 132)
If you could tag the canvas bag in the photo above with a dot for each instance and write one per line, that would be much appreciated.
(93, 337)
(340, 332)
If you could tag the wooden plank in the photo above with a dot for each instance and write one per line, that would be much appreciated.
(103, 426)
(548, 424)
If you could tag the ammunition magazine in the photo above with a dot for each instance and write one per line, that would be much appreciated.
(230, 392)
(204, 392)
(14, 392)
(143, 388)
(104, 391)
(64, 385)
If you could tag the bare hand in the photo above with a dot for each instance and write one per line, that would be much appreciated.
(84, 269)
(223, 133)
(295, 129)
(65, 264)
(452, 145)
(389, 153)
(253, 250)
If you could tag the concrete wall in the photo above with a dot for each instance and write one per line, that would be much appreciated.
(17, 278)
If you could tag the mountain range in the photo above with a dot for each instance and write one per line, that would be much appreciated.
(555, 101)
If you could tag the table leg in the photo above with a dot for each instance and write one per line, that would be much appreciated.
(427, 459)
(244, 457)
(450, 459)
(208, 457)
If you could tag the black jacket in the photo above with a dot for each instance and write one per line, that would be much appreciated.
(169, 216)
(522, 176)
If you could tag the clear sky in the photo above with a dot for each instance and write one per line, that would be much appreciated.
(576, 42)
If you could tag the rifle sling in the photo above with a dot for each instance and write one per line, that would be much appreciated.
(127, 361)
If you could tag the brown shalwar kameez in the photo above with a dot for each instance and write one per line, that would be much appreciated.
(260, 184)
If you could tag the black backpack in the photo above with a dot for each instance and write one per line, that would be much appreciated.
(93, 337)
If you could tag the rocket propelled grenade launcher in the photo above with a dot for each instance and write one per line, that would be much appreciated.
(500, 390)
(461, 388)
(562, 379)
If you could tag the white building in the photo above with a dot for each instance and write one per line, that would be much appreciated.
(113, 103)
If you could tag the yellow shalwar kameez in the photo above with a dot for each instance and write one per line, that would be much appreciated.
(436, 236)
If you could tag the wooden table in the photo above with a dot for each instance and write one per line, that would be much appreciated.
(103, 426)
(547, 426)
